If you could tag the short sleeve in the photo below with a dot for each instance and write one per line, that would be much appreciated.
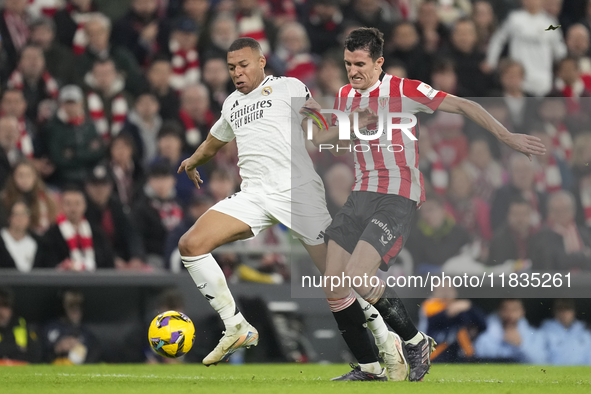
(222, 130)
(299, 94)
(420, 97)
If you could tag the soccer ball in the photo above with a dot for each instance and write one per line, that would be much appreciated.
(171, 334)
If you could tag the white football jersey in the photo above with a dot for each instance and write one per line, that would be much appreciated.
(271, 143)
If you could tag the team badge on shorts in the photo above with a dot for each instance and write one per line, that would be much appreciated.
(267, 91)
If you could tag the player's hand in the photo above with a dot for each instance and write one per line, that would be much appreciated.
(190, 168)
(366, 116)
(526, 144)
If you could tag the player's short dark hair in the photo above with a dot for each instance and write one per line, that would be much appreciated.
(245, 42)
(367, 39)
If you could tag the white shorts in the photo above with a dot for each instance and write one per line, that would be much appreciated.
(302, 210)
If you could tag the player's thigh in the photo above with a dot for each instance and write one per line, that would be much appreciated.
(317, 254)
(386, 231)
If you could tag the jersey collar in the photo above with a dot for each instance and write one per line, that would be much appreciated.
(267, 78)
(372, 87)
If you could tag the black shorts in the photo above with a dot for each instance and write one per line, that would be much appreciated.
(382, 220)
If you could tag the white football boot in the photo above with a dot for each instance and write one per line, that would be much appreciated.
(392, 354)
(242, 335)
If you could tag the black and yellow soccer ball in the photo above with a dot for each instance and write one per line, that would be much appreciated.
(171, 334)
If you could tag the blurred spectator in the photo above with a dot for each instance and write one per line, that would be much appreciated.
(554, 115)
(19, 249)
(329, 78)
(222, 33)
(26, 185)
(453, 323)
(74, 243)
(536, 55)
(127, 175)
(98, 29)
(485, 172)
(70, 21)
(338, 179)
(14, 104)
(107, 102)
(561, 244)
(18, 341)
(405, 46)
(198, 10)
(217, 79)
(576, 88)
(436, 238)
(221, 184)
(468, 59)
(252, 23)
(106, 212)
(520, 106)
(577, 45)
(468, 210)
(9, 152)
(142, 31)
(32, 78)
(445, 78)
(198, 205)
(195, 115)
(449, 141)
(567, 340)
(67, 340)
(170, 150)
(553, 8)
(581, 169)
(433, 34)
(522, 183)
(73, 143)
(552, 173)
(292, 55)
(324, 24)
(157, 213)
(159, 75)
(396, 68)
(512, 241)
(14, 29)
(59, 59)
(143, 124)
(185, 58)
(509, 336)
(372, 13)
(485, 21)
(430, 163)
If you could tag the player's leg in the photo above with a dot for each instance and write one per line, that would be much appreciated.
(213, 229)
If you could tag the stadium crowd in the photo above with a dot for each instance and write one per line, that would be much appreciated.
(98, 108)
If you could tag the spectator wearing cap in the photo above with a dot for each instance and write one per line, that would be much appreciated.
(18, 340)
(75, 244)
(98, 30)
(108, 102)
(19, 249)
(105, 211)
(73, 144)
(567, 339)
(59, 59)
(128, 175)
(36, 83)
(324, 24)
(157, 213)
(142, 31)
(143, 123)
(159, 82)
(184, 55)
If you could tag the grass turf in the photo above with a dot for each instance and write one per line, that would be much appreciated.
(285, 379)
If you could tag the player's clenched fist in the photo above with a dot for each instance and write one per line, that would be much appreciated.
(189, 167)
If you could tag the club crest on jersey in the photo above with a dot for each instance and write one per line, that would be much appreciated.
(267, 91)
(383, 101)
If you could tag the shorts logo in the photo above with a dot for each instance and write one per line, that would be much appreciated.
(387, 236)
(267, 91)
(321, 235)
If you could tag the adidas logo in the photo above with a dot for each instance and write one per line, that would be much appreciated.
(372, 317)
(209, 298)
(321, 235)
(235, 105)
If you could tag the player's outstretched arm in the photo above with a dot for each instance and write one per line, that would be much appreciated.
(526, 144)
(202, 155)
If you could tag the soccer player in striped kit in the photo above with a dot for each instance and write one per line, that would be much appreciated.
(373, 225)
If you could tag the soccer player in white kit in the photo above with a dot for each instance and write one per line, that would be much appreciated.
(273, 163)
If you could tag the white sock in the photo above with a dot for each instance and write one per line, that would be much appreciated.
(374, 367)
(374, 320)
(416, 339)
(211, 282)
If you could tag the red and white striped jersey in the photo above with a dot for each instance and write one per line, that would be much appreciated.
(385, 167)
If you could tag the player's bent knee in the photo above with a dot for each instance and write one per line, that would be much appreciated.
(191, 244)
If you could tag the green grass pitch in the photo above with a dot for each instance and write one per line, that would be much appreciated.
(285, 379)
